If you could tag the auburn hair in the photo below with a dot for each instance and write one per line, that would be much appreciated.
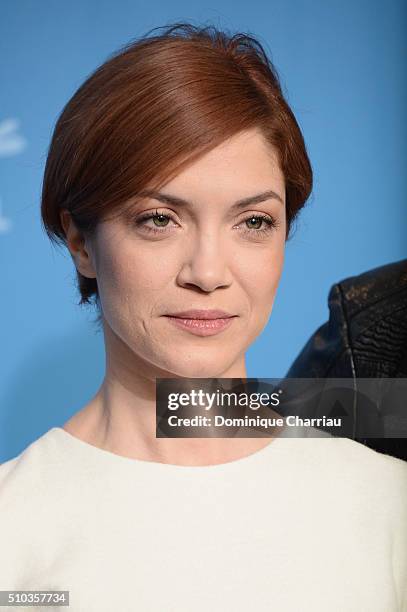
(155, 106)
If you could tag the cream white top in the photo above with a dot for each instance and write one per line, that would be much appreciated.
(302, 525)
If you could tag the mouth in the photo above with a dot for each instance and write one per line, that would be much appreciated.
(202, 326)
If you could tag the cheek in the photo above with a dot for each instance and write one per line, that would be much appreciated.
(261, 277)
(261, 271)
(128, 277)
(114, 276)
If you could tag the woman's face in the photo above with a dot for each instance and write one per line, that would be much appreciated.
(206, 253)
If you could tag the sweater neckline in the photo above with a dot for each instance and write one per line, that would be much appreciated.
(104, 455)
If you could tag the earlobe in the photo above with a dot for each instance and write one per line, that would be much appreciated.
(75, 242)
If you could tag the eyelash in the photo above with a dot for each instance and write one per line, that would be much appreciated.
(271, 223)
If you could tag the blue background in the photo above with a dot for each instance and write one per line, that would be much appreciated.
(343, 71)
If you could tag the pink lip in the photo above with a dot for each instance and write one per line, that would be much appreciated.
(201, 327)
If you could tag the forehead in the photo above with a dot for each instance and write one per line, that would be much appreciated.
(238, 167)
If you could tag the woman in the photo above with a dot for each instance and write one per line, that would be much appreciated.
(173, 176)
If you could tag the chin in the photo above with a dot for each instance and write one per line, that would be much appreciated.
(198, 369)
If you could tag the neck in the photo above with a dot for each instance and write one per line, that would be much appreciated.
(121, 417)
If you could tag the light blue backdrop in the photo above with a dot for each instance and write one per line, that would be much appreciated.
(341, 65)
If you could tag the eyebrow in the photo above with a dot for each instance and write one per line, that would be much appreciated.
(170, 199)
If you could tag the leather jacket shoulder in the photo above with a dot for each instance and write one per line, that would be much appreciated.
(365, 336)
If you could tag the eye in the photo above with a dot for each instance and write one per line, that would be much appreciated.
(254, 225)
(159, 221)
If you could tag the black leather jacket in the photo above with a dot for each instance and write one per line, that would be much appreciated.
(365, 336)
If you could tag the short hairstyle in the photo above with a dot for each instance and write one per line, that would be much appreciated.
(155, 106)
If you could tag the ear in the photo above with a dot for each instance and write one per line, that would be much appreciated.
(76, 243)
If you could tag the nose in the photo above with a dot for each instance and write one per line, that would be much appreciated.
(205, 264)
